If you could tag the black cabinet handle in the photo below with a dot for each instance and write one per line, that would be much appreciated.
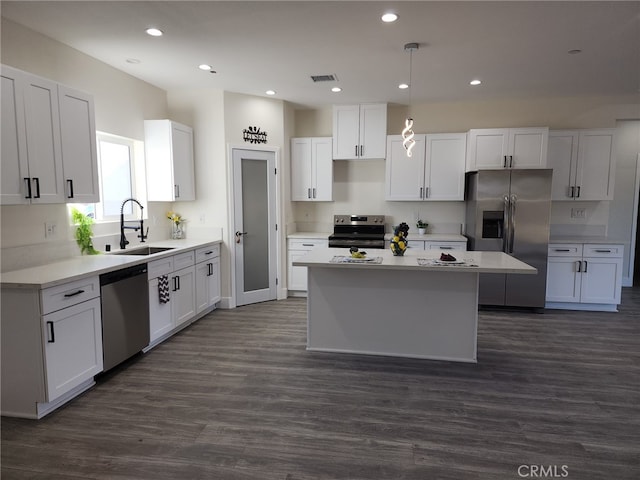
(209, 269)
(578, 191)
(27, 180)
(578, 266)
(37, 180)
(67, 295)
(561, 250)
(52, 333)
(209, 252)
(175, 283)
(586, 264)
(602, 251)
(70, 184)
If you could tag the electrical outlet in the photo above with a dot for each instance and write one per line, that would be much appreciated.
(50, 229)
(578, 213)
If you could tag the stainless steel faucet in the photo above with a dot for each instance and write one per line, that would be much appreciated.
(123, 239)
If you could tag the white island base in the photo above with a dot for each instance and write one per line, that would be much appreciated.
(398, 308)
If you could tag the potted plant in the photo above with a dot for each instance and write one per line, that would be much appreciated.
(83, 232)
(422, 227)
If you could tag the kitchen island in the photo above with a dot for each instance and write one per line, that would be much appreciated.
(408, 306)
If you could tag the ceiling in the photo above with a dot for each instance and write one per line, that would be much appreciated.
(517, 49)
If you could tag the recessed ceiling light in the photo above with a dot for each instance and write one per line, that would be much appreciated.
(389, 17)
(403, 86)
(475, 82)
(336, 89)
(204, 66)
(270, 92)
(154, 32)
(575, 51)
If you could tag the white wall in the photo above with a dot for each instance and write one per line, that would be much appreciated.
(122, 103)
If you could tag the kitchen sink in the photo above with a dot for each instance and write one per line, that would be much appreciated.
(143, 251)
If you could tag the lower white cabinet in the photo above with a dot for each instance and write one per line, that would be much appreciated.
(207, 277)
(194, 287)
(584, 276)
(298, 248)
(73, 346)
(51, 345)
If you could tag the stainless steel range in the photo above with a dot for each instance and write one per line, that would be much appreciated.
(362, 231)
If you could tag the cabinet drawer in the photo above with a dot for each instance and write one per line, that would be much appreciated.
(163, 266)
(307, 244)
(603, 250)
(207, 252)
(445, 246)
(72, 293)
(565, 249)
(183, 260)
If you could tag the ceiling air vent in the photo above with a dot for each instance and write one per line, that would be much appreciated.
(324, 78)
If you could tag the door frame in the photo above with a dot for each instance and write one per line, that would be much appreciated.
(230, 233)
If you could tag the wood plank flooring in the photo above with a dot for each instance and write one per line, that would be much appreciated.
(237, 396)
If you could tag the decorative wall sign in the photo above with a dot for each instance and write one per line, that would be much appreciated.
(254, 135)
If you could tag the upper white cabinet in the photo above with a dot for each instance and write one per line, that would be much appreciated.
(48, 142)
(583, 164)
(168, 150)
(507, 148)
(435, 171)
(31, 150)
(359, 131)
(78, 136)
(311, 169)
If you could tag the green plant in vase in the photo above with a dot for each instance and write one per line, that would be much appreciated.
(84, 232)
(422, 227)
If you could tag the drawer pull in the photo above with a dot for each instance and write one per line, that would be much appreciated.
(446, 248)
(308, 245)
(67, 295)
(561, 250)
(52, 333)
(209, 252)
(598, 250)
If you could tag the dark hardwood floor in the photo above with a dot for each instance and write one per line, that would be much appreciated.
(236, 396)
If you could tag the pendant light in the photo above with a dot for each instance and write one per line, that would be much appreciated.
(407, 133)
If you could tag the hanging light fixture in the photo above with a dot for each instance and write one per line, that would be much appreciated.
(407, 133)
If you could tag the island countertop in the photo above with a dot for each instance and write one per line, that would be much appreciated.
(474, 262)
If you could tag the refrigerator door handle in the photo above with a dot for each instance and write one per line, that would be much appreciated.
(512, 219)
(506, 221)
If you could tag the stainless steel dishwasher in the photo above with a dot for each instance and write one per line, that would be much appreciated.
(124, 295)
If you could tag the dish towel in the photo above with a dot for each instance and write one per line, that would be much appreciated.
(163, 289)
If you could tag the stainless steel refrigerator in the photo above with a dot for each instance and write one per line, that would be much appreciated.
(508, 211)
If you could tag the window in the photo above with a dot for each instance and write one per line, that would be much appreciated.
(121, 176)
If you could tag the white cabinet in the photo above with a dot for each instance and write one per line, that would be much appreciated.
(73, 348)
(584, 276)
(583, 163)
(31, 157)
(434, 172)
(359, 131)
(507, 148)
(193, 279)
(207, 277)
(79, 154)
(180, 273)
(298, 248)
(48, 142)
(311, 169)
(51, 345)
(168, 150)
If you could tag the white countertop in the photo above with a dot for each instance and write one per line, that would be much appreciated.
(585, 239)
(75, 268)
(487, 262)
